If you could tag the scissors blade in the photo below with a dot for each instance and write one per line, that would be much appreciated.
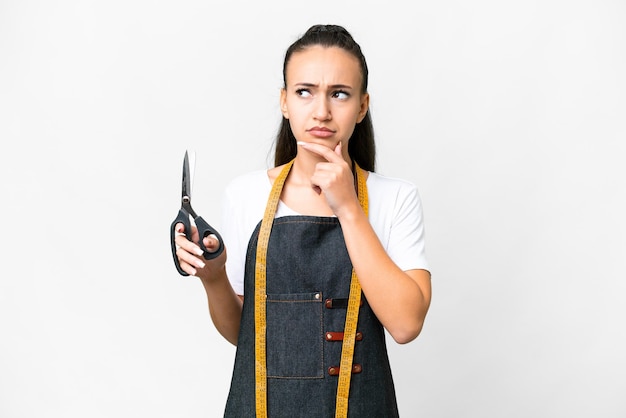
(188, 170)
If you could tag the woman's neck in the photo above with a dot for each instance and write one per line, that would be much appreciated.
(304, 166)
(298, 192)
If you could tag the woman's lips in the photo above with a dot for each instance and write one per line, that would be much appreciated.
(321, 132)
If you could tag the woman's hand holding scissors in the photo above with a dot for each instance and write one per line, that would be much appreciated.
(190, 255)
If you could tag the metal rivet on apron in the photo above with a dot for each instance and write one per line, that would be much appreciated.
(334, 370)
(338, 303)
(317, 296)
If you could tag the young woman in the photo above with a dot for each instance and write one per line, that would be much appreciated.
(298, 233)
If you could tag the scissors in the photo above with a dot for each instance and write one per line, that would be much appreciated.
(184, 214)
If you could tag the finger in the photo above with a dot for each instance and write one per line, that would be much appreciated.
(179, 229)
(187, 268)
(329, 154)
(181, 241)
(212, 243)
(191, 260)
(178, 232)
(338, 149)
(194, 233)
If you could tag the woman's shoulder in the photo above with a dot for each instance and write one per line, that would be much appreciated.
(251, 179)
(391, 195)
(381, 183)
(247, 187)
(261, 179)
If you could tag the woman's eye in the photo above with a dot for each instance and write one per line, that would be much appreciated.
(303, 93)
(341, 95)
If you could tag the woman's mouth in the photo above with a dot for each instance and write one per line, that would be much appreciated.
(320, 132)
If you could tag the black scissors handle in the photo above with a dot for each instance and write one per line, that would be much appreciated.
(204, 230)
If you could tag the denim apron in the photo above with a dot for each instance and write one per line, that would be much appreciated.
(308, 283)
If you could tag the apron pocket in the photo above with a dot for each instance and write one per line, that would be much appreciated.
(295, 336)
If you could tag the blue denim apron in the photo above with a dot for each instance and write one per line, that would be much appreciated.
(308, 283)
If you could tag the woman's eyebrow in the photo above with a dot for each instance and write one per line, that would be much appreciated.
(332, 86)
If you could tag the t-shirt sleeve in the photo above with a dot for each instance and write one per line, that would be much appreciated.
(243, 205)
(406, 245)
(233, 241)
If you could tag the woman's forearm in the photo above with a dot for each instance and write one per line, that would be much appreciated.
(224, 306)
(400, 299)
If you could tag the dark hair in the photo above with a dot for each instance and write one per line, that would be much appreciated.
(361, 146)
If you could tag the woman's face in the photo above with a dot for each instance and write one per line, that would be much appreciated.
(322, 98)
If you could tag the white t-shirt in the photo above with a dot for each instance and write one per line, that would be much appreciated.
(395, 213)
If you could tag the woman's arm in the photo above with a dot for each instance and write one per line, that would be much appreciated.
(400, 299)
(224, 304)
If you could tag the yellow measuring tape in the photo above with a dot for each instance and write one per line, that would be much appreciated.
(260, 307)
(352, 317)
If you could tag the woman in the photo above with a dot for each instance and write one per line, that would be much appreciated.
(287, 295)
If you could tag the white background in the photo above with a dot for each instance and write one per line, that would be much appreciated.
(509, 116)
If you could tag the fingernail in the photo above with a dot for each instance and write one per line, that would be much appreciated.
(303, 144)
(200, 264)
(198, 251)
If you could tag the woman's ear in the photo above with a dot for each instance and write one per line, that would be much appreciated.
(365, 105)
(283, 103)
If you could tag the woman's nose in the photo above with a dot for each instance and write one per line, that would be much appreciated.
(322, 109)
